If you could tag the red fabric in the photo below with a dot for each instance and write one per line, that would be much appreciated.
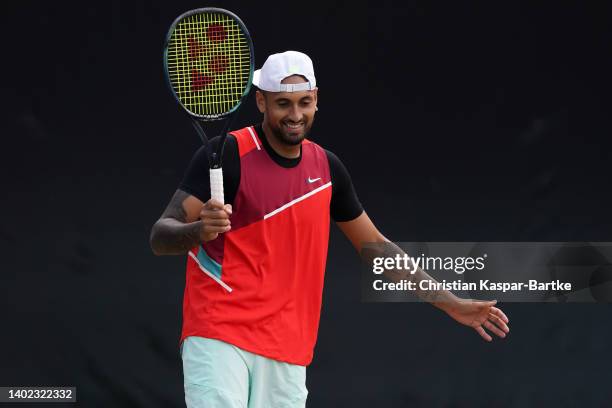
(275, 266)
(245, 141)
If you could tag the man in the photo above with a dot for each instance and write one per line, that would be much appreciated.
(255, 266)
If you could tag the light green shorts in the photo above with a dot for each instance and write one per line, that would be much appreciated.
(220, 375)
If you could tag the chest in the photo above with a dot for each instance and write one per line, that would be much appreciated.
(267, 188)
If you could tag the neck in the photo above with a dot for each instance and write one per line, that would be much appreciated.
(283, 149)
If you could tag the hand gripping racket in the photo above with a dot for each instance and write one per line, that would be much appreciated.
(208, 62)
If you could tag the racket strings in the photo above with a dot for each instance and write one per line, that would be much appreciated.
(209, 63)
(208, 71)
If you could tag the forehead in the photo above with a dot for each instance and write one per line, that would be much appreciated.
(293, 96)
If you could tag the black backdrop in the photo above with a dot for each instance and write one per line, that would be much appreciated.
(458, 121)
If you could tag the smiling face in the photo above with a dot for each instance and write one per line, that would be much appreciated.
(288, 115)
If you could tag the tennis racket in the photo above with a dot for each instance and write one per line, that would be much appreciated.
(208, 63)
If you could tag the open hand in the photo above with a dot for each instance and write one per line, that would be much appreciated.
(480, 315)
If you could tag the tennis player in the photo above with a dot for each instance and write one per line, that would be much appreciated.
(255, 268)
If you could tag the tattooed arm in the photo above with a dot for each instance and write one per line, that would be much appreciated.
(473, 313)
(187, 222)
(362, 231)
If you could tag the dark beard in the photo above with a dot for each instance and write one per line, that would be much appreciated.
(287, 139)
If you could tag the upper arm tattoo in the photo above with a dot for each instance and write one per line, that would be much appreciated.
(175, 207)
(172, 234)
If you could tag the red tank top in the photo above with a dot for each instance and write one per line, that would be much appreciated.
(273, 259)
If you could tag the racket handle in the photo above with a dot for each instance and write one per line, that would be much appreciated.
(216, 184)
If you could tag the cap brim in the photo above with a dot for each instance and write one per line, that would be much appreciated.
(256, 77)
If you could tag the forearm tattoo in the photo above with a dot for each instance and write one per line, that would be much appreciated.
(172, 234)
(390, 250)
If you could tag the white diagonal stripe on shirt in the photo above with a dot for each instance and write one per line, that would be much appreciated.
(297, 200)
(212, 275)
(250, 128)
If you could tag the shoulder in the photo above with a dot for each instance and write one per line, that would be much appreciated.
(335, 164)
(331, 155)
(246, 139)
(202, 153)
(345, 205)
(229, 140)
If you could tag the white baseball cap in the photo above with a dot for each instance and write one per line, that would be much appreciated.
(280, 66)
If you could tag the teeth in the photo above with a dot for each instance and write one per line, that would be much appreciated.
(293, 126)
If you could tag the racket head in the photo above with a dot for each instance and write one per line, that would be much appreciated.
(209, 62)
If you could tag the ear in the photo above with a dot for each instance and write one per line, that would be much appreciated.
(261, 101)
(315, 95)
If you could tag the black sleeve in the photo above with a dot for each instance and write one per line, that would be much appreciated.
(345, 205)
(197, 178)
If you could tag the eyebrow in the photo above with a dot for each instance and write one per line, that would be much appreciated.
(288, 100)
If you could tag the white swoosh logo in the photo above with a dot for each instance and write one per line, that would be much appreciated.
(313, 180)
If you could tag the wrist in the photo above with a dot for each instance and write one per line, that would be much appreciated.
(447, 302)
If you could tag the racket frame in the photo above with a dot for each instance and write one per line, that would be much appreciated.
(247, 89)
(216, 174)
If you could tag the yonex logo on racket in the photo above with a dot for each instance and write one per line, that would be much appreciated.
(217, 64)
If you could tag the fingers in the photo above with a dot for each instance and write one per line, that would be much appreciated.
(216, 222)
(210, 229)
(215, 213)
(494, 324)
(213, 209)
(483, 333)
(491, 318)
(500, 314)
(215, 219)
(499, 322)
(213, 205)
(494, 329)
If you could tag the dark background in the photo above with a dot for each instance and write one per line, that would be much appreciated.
(458, 122)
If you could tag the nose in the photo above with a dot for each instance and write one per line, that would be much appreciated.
(295, 113)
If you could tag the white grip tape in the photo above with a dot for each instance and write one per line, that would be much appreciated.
(216, 184)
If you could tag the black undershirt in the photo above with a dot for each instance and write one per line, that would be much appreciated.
(344, 206)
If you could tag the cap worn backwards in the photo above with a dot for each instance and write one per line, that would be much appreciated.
(280, 66)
